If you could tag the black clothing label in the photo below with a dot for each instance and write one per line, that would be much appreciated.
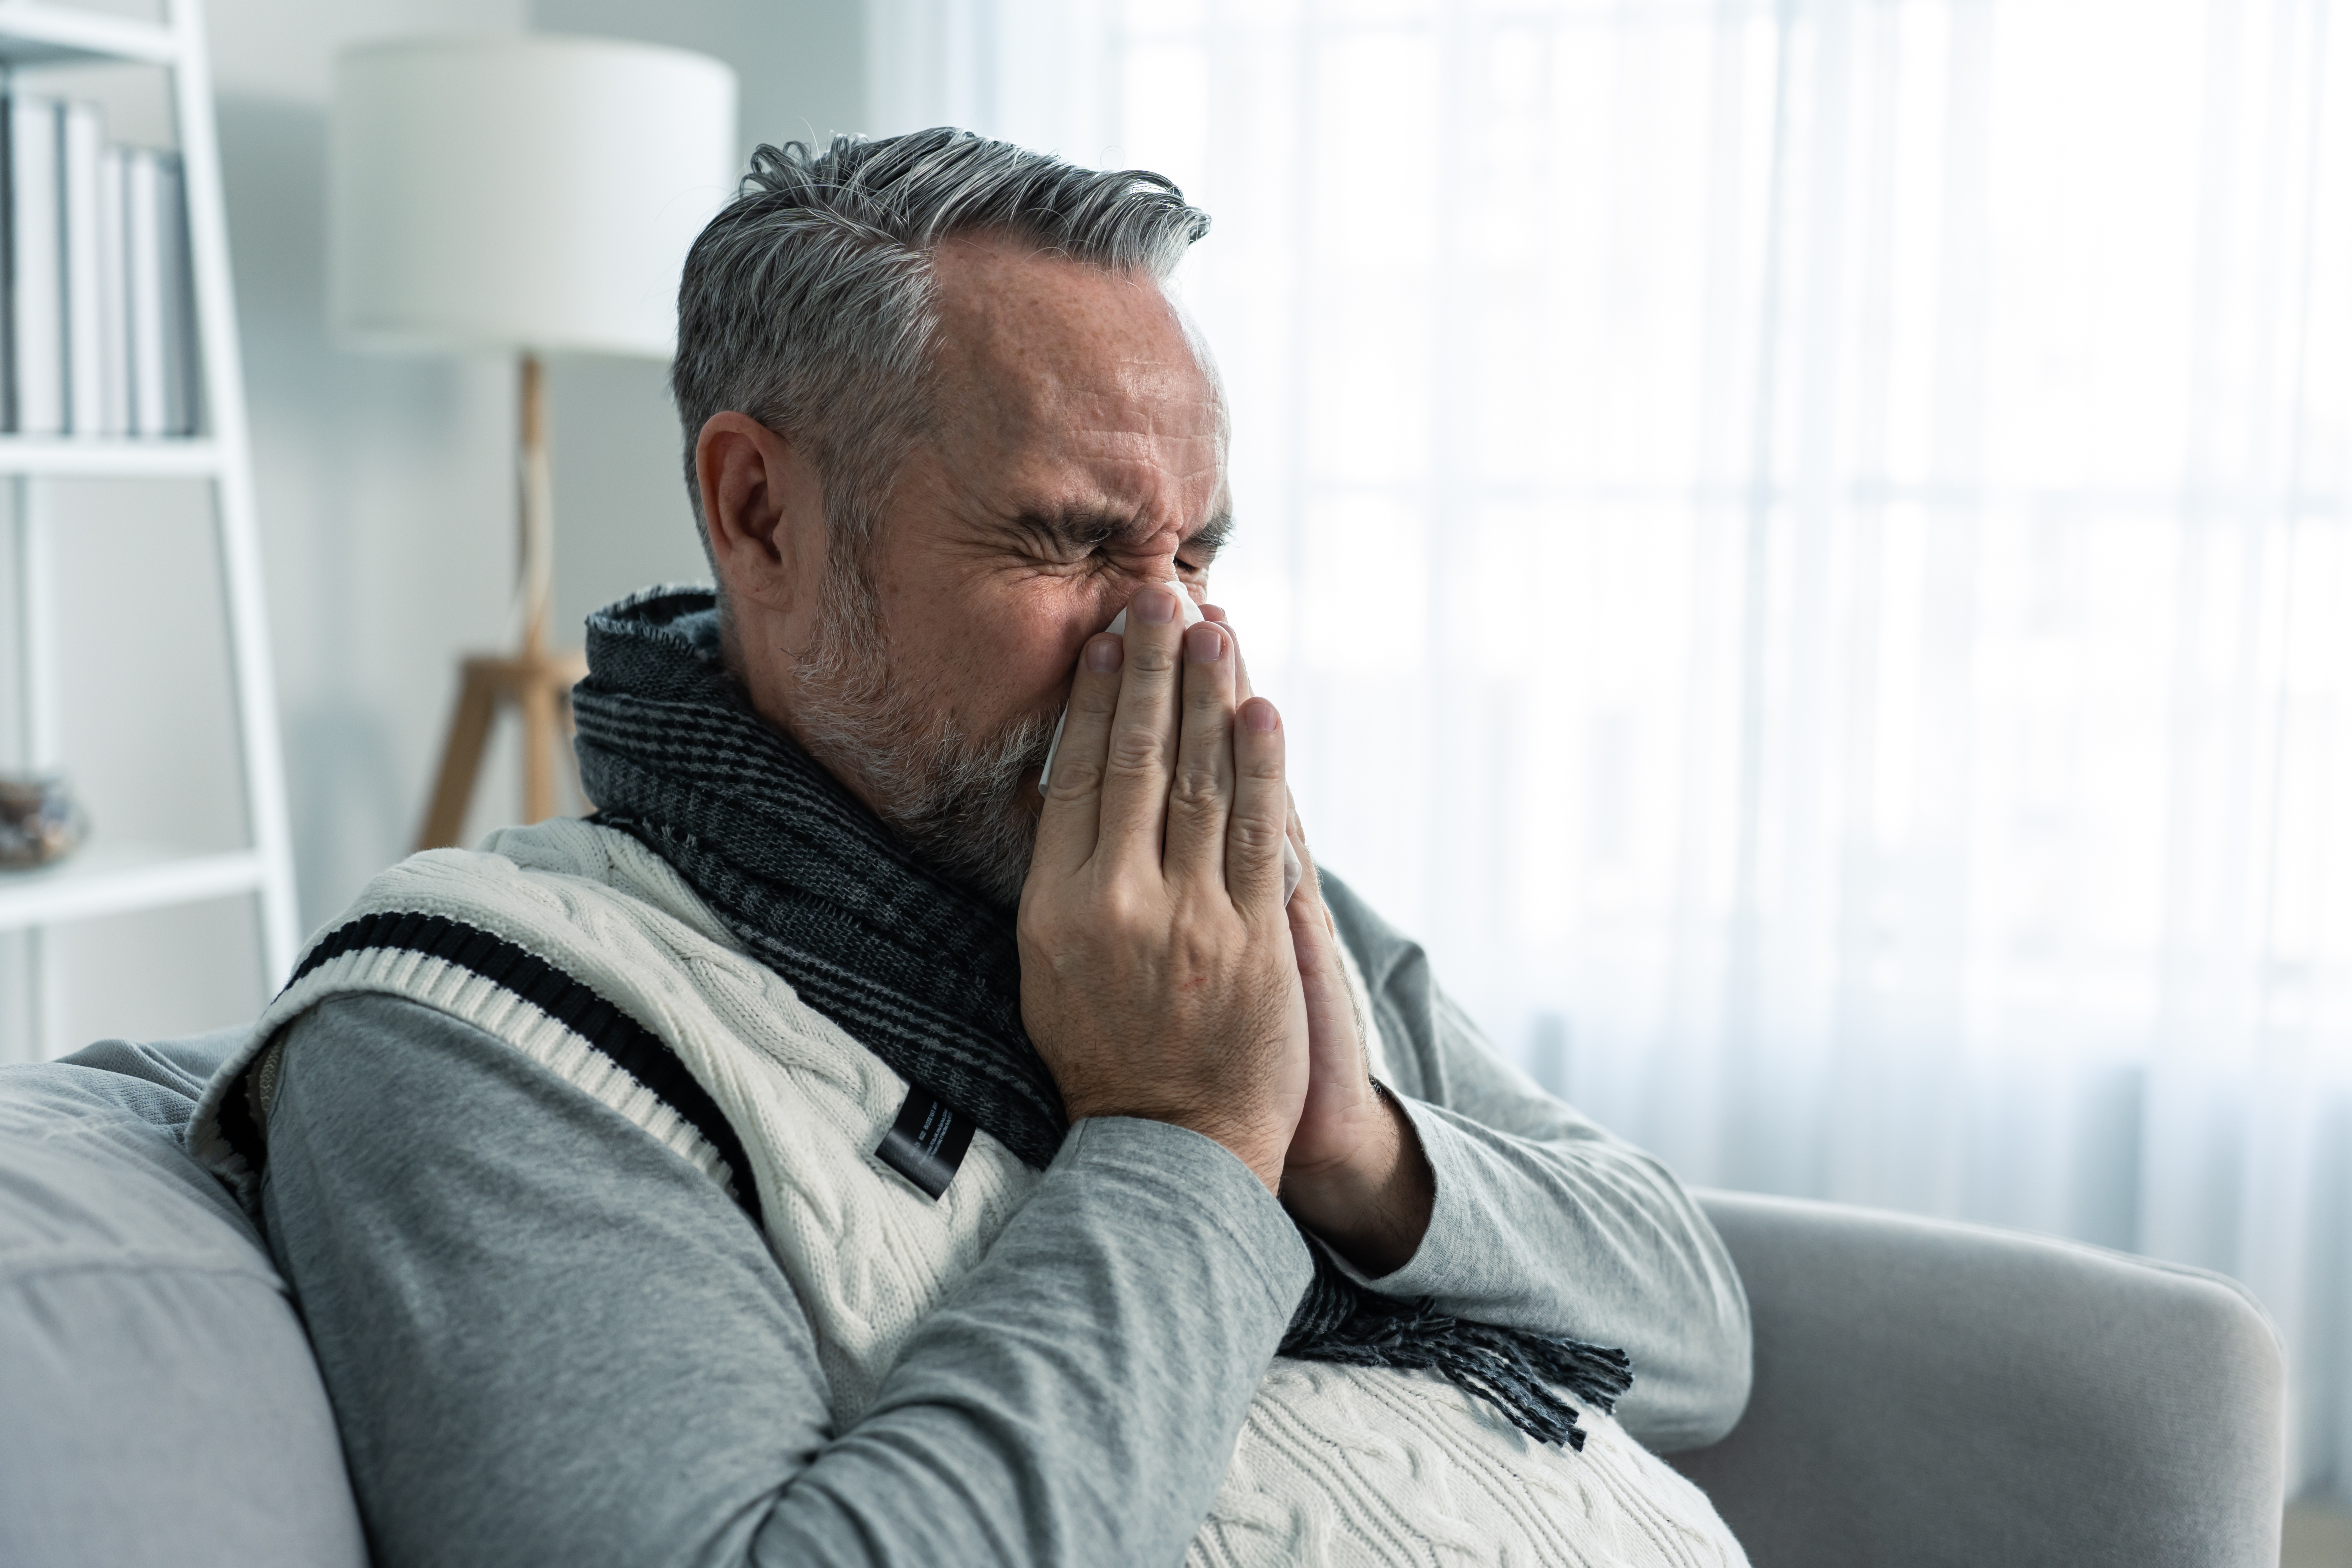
(928, 1142)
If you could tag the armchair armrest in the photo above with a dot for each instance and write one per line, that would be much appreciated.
(1928, 1393)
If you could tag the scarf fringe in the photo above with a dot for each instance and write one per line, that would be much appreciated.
(1515, 1370)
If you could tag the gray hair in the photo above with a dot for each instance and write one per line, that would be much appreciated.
(810, 303)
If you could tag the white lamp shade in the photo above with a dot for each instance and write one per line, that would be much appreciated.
(525, 191)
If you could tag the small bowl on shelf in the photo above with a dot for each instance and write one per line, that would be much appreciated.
(40, 822)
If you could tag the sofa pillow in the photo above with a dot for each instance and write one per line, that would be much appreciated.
(158, 1400)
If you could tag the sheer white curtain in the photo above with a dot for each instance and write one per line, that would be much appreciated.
(1805, 551)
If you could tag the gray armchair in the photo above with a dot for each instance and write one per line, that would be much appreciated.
(1930, 1393)
(1924, 1394)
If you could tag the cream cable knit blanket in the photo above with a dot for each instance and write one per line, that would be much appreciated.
(1334, 1465)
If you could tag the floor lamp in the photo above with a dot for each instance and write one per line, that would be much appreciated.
(524, 194)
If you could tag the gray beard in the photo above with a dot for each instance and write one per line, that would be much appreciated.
(956, 801)
(963, 805)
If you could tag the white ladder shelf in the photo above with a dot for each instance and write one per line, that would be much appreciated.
(110, 876)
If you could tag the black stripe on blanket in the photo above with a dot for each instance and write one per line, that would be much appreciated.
(613, 1033)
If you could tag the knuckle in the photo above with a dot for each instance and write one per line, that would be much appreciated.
(1198, 941)
(1151, 659)
(1073, 779)
(1257, 833)
(1195, 789)
(1121, 909)
(1134, 751)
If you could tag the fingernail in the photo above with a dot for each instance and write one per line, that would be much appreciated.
(1103, 654)
(1156, 607)
(1259, 718)
(1205, 643)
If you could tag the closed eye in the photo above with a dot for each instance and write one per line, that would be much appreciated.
(1200, 551)
(1069, 535)
(1075, 535)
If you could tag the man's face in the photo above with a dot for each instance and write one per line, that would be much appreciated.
(1078, 455)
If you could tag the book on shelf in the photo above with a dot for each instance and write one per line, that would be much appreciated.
(97, 298)
(113, 295)
(144, 257)
(36, 284)
(176, 323)
(84, 131)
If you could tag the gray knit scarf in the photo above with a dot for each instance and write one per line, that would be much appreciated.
(925, 973)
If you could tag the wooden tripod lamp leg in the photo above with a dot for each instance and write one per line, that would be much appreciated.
(536, 680)
(461, 758)
(541, 734)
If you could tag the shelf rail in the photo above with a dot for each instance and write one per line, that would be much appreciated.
(111, 878)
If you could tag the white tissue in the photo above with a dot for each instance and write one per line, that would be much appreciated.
(1189, 614)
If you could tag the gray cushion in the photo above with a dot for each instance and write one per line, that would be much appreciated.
(158, 1400)
(1930, 1393)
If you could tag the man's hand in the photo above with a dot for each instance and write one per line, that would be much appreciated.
(1354, 1173)
(1156, 973)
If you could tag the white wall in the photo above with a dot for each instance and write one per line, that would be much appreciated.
(385, 493)
(620, 490)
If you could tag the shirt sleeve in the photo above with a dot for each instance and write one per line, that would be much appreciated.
(1544, 1221)
(548, 1338)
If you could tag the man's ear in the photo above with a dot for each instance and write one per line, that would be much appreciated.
(762, 511)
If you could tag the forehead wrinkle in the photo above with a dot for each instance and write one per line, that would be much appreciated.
(1030, 331)
(1109, 478)
(1145, 413)
(1074, 400)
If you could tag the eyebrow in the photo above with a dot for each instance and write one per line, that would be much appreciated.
(1090, 528)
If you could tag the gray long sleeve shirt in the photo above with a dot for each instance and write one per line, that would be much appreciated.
(548, 1339)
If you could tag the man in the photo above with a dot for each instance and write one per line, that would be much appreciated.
(836, 1151)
